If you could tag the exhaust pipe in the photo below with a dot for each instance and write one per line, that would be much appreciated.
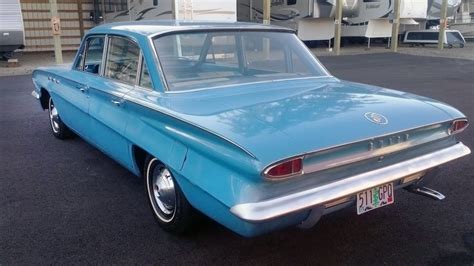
(424, 191)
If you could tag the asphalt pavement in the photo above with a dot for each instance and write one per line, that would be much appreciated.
(64, 202)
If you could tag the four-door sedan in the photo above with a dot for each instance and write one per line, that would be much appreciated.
(241, 123)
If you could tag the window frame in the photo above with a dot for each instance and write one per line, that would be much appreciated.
(141, 62)
(83, 51)
(105, 57)
(105, 52)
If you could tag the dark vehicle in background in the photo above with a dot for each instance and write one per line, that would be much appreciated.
(421, 37)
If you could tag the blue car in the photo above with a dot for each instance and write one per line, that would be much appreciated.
(241, 123)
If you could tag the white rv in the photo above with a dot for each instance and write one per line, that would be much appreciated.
(129, 10)
(314, 19)
(12, 31)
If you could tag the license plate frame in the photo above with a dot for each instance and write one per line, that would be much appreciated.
(374, 198)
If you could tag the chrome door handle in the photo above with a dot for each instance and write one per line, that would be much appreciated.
(116, 102)
(83, 89)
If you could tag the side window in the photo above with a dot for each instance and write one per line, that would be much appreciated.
(90, 57)
(145, 80)
(93, 54)
(122, 60)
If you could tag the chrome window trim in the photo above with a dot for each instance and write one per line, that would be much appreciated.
(104, 56)
(139, 68)
(247, 83)
(275, 207)
(158, 64)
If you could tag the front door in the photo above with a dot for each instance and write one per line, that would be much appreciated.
(73, 88)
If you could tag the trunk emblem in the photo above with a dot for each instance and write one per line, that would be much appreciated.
(376, 118)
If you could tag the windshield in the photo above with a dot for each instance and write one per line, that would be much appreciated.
(210, 59)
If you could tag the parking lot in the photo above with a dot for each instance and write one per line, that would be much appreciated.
(65, 202)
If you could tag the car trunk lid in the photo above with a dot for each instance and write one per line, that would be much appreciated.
(281, 119)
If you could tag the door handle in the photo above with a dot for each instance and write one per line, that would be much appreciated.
(83, 88)
(116, 102)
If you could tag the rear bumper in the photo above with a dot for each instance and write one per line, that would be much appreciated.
(276, 207)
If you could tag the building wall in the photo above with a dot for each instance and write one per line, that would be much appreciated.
(74, 15)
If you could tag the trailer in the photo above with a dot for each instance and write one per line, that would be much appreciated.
(12, 31)
(133, 10)
(314, 19)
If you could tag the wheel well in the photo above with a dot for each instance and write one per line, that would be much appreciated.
(139, 156)
(44, 98)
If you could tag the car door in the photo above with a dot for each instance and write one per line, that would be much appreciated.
(71, 93)
(107, 110)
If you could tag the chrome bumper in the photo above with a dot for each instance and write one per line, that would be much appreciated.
(268, 209)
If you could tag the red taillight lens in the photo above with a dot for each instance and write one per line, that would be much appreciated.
(458, 126)
(285, 169)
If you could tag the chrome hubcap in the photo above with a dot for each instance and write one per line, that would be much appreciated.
(53, 116)
(164, 191)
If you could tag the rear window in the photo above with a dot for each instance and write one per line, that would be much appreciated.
(200, 60)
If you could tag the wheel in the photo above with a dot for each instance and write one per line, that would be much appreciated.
(170, 207)
(461, 45)
(450, 46)
(60, 130)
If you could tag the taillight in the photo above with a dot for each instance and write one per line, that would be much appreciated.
(285, 169)
(458, 126)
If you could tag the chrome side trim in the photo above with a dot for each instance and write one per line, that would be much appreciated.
(309, 153)
(35, 94)
(340, 161)
(272, 208)
(155, 108)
